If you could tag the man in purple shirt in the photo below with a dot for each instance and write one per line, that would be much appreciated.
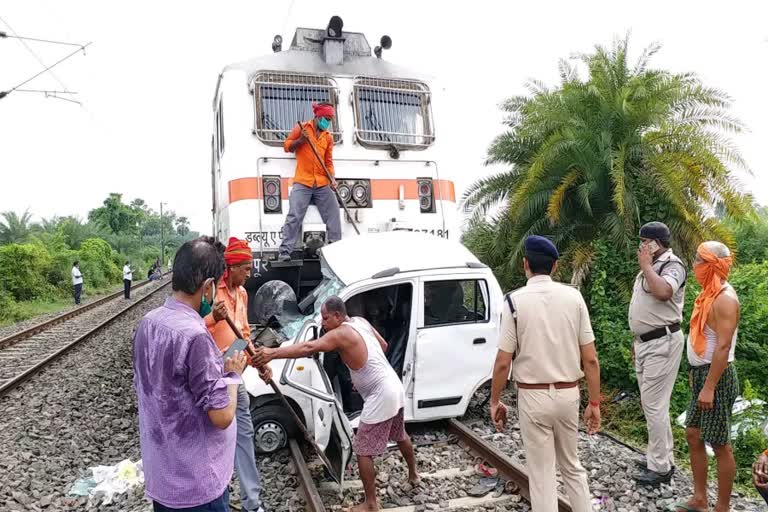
(187, 396)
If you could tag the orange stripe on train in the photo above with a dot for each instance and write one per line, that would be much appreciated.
(381, 189)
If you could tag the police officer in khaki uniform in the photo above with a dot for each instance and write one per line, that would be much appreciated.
(655, 314)
(546, 337)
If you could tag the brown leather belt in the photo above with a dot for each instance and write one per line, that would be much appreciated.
(558, 385)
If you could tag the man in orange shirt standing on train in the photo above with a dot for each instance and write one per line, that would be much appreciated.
(231, 300)
(310, 183)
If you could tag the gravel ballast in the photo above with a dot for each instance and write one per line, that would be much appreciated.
(81, 412)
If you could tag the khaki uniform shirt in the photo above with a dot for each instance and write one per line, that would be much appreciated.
(647, 313)
(552, 324)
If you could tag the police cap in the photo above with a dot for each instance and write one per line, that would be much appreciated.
(540, 246)
(655, 231)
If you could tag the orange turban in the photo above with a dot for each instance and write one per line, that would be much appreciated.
(322, 110)
(710, 274)
(237, 251)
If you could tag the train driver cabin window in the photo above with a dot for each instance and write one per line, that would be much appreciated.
(283, 99)
(393, 113)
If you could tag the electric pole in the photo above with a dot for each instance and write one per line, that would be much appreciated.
(162, 239)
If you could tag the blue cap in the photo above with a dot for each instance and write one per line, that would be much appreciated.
(538, 245)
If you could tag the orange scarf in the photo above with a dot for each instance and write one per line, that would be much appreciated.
(710, 274)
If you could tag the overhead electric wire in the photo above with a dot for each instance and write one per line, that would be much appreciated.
(49, 91)
(39, 60)
(5, 35)
(6, 93)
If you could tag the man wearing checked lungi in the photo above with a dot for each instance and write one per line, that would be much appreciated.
(362, 350)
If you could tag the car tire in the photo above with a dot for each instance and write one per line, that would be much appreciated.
(273, 425)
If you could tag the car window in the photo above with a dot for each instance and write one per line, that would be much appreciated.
(455, 302)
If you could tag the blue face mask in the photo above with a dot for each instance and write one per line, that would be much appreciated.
(323, 123)
(205, 306)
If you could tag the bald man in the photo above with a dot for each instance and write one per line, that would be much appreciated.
(714, 384)
(362, 349)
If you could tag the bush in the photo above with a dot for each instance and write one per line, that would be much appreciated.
(9, 308)
(23, 270)
(96, 264)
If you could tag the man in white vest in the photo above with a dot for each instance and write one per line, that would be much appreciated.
(362, 350)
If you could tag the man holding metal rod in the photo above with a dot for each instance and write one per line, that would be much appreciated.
(314, 181)
(231, 302)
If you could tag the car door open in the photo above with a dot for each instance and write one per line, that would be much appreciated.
(339, 449)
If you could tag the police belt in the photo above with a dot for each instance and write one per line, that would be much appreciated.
(661, 331)
(557, 385)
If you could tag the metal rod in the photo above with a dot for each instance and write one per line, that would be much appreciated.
(328, 174)
(283, 399)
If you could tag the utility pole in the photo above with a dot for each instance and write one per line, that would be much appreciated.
(162, 238)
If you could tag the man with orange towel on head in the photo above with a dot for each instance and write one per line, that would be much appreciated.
(713, 379)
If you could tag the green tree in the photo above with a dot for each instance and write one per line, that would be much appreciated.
(751, 236)
(115, 216)
(595, 158)
(16, 229)
(182, 226)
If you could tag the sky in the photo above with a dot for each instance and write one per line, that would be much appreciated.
(147, 81)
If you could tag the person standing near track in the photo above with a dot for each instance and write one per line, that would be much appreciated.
(546, 337)
(186, 392)
(127, 279)
(655, 315)
(77, 281)
(713, 379)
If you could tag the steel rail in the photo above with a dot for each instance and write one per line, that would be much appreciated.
(306, 482)
(37, 328)
(15, 381)
(506, 466)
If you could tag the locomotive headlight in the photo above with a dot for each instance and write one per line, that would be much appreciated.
(344, 192)
(359, 194)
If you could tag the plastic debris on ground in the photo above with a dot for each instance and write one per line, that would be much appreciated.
(743, 418)
(107, 481)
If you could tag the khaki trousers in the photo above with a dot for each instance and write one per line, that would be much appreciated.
(549, 423)
(657, 363)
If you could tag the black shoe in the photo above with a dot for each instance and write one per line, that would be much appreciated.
(652, 478)
(642, 464)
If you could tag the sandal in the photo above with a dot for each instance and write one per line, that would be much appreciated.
(483, 487)
(487, 471)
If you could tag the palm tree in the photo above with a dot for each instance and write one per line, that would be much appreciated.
(16, 229)
(182, 226)
(596, 158)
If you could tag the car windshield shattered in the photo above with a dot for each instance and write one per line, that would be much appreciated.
(291, 323)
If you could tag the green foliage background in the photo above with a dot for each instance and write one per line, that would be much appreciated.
(36, 258)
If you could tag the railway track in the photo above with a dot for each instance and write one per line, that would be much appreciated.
(26, 352)
(42, 326)
(461, 451)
